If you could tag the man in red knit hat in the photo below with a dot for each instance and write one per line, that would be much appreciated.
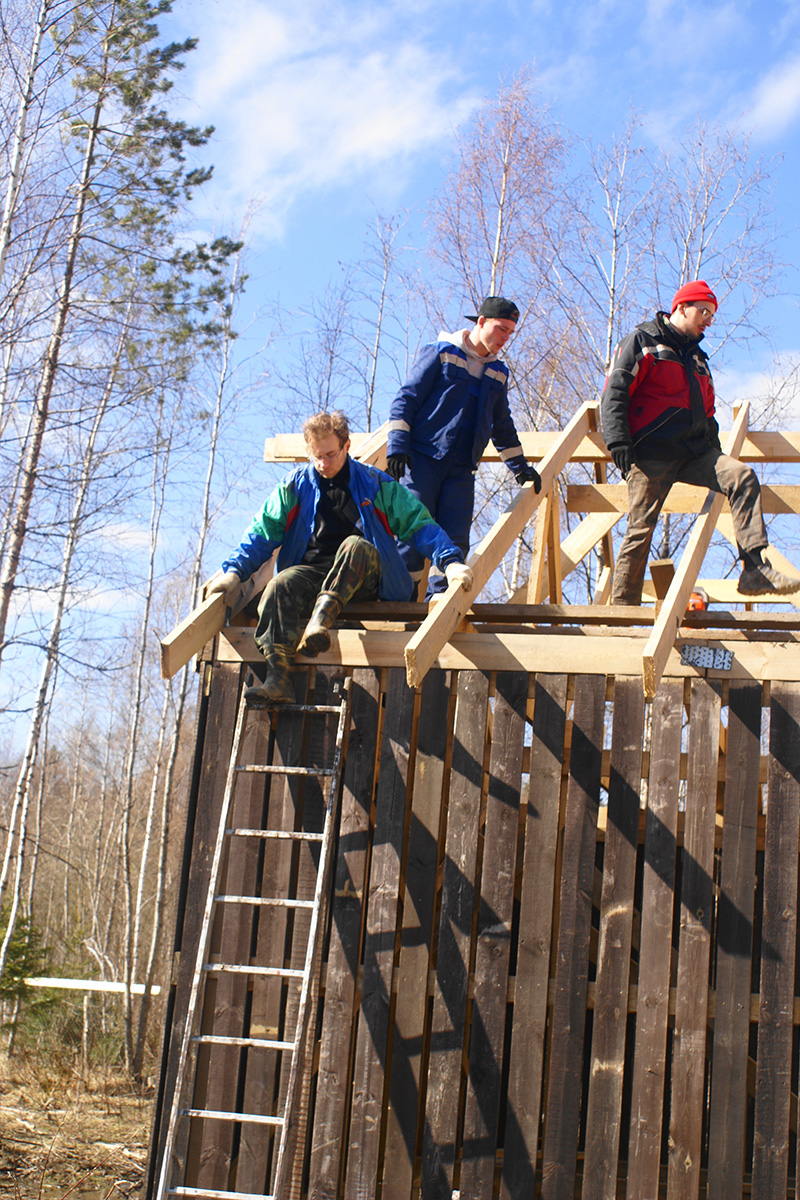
(658, 420)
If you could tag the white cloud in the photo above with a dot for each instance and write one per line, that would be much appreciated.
(776, 101)
(309, 99)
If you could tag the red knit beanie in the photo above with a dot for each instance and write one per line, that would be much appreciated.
(691, 292)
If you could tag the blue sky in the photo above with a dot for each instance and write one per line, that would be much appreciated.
(327, 113)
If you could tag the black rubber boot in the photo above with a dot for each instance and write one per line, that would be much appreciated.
(317, 636)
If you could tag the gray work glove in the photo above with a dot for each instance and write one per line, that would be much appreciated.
(396, 465)
(623, 458)
(457, 572)
(523, 472)
(225, 583)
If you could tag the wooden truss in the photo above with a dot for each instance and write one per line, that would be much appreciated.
(444, 625)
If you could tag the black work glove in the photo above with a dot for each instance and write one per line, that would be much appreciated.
(523, 472)
(623, 458)
(396, 465)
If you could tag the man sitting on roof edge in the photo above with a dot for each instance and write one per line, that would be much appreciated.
(335, 521)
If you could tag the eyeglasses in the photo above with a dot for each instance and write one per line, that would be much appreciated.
(706, 313)
(327, 458)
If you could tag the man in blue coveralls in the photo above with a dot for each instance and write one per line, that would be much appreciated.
(440, 422)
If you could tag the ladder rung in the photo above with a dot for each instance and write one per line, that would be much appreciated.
(212, 1039)
(209, 1114)
(234, 969)
(212, 1195)
(265, 901)
(263, 769)
(309, 708)
(280, 834)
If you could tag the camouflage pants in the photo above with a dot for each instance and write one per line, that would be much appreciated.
(288, 600)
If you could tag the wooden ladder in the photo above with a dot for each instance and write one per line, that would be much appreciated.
(290, 1117)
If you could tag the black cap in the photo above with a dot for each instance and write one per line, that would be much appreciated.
(499, 308)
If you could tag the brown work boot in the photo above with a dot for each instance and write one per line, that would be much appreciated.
(317, 636)
(277, 687)
(764, 580)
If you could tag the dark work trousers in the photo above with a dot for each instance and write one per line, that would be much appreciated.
(649, 481)
(447, 489)
(289, 597)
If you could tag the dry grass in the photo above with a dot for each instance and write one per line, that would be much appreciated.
(60, 1136)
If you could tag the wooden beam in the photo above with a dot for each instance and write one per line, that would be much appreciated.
(426, 643)
(554, 548)
(673, 610)
(534, 590)
(206, 620)
(759, 446)
(578, 653)
(683, 498)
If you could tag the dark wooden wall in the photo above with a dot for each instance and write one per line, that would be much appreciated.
(562, 952)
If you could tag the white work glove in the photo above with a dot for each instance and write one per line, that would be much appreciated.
(225, 583)
(456, 572)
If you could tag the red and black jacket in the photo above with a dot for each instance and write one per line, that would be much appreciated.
(659, 394)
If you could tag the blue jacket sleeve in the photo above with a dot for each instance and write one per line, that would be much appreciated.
(266, 532)
(412, 395)
(409, 520)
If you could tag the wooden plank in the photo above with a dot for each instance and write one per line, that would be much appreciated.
(568, 1019)
(372, 1039)
(652, 1010)
(344, 954)
(526, 1060)
(673, 608)
(448, 1025)
(778, 943)
(697, 898)
(534, 589)
(591, 531)
(426, 643)
(406, 1098)
(727, 1114)
(760, 446)
(604, 1109)
(765, 660)
(206, 620)
(554, 549)
(493, 944)
(683, 498)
